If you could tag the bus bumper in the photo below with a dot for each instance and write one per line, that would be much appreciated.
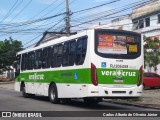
(115, 91)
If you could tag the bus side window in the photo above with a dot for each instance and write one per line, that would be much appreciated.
(46, 55)
(65, 54)
(59, 55)
(69, 50)
(24, 61)
(44, 58)
(54, 54)
(49, 57)
(22, 64)
(17, 65)
(18, 58)
(81, 50)
(30, 61)
(33, 60)
(38, 59)
(72, 52)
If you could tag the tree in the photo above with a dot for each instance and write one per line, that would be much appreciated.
(8, 50)
(151, 52)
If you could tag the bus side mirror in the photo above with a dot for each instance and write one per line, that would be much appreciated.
(15, 64)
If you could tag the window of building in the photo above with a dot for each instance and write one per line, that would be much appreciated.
(135, 25)
(158, 18)
(81, 48)
(141, 24)
(147, 21)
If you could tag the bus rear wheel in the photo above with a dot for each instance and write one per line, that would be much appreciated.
(24, 94)
(53, 94)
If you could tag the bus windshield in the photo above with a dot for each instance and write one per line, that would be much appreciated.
(118, 44)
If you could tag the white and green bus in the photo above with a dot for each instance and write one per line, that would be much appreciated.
(93, 64)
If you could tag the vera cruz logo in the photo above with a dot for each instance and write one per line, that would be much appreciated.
(36, 76)
(118, 73)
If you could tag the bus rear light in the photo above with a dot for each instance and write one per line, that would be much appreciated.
(140, 77)
(94, 75)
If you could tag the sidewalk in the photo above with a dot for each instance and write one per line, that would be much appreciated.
(150, 97)
(9, 85)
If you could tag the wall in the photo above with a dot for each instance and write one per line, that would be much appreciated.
(146, 10)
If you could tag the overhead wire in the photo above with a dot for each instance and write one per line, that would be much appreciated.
(109, 2)
(41, 34)
(44, 9)
(20, 11)
(30, 20)
(58, 22)
(44, 23)
(42, 19)
(14, 8)
(82, 23)
(105, 16)
(99, 14)
(112, 13)
(8, 12)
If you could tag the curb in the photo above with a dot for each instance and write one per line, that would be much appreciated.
(8, 82)
(136, 105)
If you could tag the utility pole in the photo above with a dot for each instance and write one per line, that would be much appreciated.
(67, 19)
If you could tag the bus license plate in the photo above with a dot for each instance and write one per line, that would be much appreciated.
(118, 80)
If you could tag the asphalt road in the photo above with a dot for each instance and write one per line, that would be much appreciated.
(13, 101)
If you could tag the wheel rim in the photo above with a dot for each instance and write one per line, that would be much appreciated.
(52, 94)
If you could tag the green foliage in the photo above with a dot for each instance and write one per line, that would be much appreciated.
(8, 50)
(151, 52)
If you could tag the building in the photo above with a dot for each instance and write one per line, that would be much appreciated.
(144, 19)
(48, 36)
(8, 72)
(124, 22)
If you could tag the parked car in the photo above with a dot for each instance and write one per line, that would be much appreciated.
(151, 80)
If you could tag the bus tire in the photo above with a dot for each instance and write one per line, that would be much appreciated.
(24, 94)
(53, 94)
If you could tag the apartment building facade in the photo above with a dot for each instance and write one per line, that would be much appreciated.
(144, 19)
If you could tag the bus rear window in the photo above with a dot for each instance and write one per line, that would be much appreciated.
(117, 44)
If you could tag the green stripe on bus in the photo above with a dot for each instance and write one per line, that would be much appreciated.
(82, 76)
(117, 76)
